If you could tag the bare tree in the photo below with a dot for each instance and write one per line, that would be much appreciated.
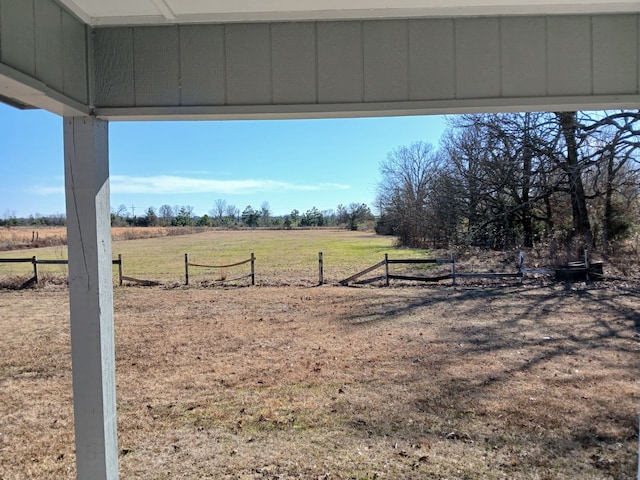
(614, 150)
(166, 214)
(219, 209)
(509, 179)
(595, 153)
(501, 163)
(265, 213)
(122, 211)
(573, 166)
(407, 176)
(232, 213)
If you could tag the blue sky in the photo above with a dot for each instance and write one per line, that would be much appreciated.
(287, 163)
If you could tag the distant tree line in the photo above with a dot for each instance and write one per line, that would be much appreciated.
(353, 217)
(11, 220)
(504, 180)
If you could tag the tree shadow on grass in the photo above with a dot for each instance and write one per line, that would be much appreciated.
(547, 377)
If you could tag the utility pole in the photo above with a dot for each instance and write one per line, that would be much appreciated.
(133, 211)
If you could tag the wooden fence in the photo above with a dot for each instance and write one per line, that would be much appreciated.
(35, 262)
(251, 275)
(583, 270)
(414, 261)
(589, 270)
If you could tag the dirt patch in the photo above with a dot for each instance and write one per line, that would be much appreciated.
(330, 382)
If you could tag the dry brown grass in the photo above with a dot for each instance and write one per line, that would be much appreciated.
(20, 238)
(330, 382)
(135, 233)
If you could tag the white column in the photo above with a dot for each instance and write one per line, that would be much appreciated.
(86, 165)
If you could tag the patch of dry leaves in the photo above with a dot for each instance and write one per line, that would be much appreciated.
(321, 383)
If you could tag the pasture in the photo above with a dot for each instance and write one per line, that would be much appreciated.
(283, 257)
(293, 381)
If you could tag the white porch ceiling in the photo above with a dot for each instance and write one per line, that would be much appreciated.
(139, 12)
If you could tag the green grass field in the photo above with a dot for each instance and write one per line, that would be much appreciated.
(282, 256)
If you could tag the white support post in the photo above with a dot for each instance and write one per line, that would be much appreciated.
(86, 165)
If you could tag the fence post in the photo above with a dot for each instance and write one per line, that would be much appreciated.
(320, 269)
(186, 269)
(453, 269)
(253, 269)
(586, 265)
(35, 269)
(520, 265)
(120, 269)
(386, 269)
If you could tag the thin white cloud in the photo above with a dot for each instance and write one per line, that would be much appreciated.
(193, 172)
(40, 190)
(170, 184)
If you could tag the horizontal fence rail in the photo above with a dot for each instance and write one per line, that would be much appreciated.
(346, 281)
(35, 262)
(576, 270)
(417, 278)
(409, 261)
(438, 261)
(53, 262)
